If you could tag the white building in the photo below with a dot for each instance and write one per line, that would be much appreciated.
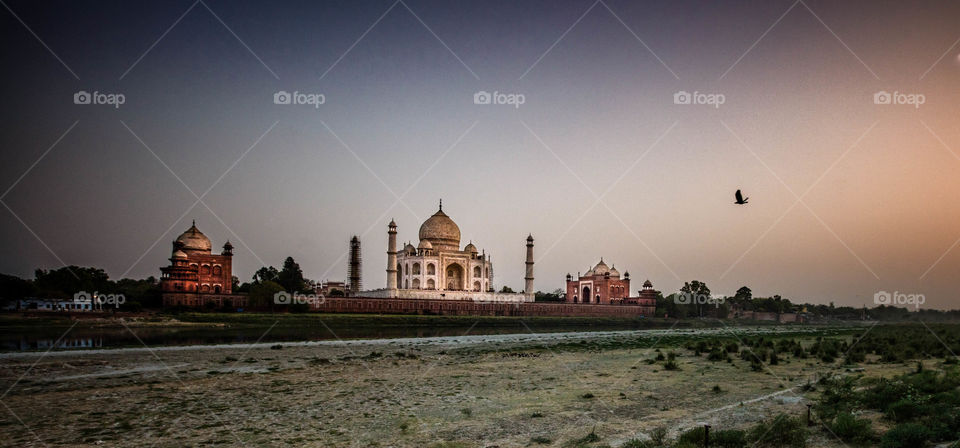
(438, 269)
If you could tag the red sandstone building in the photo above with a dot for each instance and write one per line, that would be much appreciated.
(197, 277)
(603, 285)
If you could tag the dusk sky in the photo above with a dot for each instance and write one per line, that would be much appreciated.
(597, 161)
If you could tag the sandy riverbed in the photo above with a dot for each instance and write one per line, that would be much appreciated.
(469, 391)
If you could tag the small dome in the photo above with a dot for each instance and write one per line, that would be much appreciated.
(409, 248)
(193, 239)
(179, 254)
(647, 284)
(614, 272)
(470, 248)
(424, 244)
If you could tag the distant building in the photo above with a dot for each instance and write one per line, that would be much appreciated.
(603, 285)
(84, 304)
(197, 277)
(333, 289)
(438, 269)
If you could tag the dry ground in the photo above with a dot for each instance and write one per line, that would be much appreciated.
(470, 392)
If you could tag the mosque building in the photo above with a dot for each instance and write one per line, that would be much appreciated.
(196, 276)
(436, 268)
(604, 285)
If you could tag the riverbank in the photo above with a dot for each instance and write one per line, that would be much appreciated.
(459, 391)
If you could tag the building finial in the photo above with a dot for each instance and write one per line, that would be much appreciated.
(194, 222)
(441, 204)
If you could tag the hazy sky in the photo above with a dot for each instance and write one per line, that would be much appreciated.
(101, 185)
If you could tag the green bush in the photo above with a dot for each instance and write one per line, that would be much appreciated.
(693, 436)
(907, 435)
(851, 429)
(658, 436)
(903, 410)
(717, 355)
(730, 438)
(783, 430)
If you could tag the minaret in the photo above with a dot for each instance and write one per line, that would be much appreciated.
(528, 285)
(355, 263)
(392, 257)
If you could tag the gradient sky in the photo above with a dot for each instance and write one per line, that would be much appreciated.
(878, 183)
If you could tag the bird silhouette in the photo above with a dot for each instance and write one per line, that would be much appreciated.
(740, 199)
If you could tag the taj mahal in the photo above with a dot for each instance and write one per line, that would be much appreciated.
(438, 269)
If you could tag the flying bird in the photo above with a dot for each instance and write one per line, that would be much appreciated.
(740, 199)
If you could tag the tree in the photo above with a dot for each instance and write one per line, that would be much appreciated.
(506, 289)
(261, 294)
(14, 288)
(291, 277)
(698, 292)
(555, 296)
(63, 283)
(743, 296)
(266, 274)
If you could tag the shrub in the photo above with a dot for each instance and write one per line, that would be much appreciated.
(851, 429)
(730, 438)
(541, 440)
(907, 435)
(903, 410)
(658, 436)
(671, 365)
(693, 436)
(855, 356)
(717, 355)
(782, 430)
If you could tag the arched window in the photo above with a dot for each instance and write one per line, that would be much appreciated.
(204, 288)
(205, 269)
(431, 269)
(416, 283)
(216, 289)
(476, 286)
(217, 270)
(416, 269)
(430, 283)
(575, 299)
(476, 271)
